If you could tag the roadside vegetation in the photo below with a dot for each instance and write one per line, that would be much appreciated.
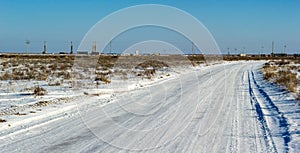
(55, 69)
(2, 120)
(39, 91)
(285, 73)
(84, 71)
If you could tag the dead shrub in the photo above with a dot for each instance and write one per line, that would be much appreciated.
(2, 120)
(288, 79)
(284, 76)
(270, 75)
(54, 83)
(5, 76)
(41, 103)
(103, 79)
(20, 114)
(152, 63)
(282, 62)
(39, 91)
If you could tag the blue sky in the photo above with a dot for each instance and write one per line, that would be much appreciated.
(234, 24)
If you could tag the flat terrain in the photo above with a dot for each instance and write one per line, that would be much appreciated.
(220, 108)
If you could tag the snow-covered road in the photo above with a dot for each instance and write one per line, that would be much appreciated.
(223, 108)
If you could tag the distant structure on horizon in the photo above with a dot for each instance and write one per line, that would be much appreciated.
(27, 46)
(94, 47)
(45, 48)
(71, 52)
(282, 54)
(228, 49)
(137, 52)
(273, 47)
(193, 49)
(110, 47)
(94, 50)
(82, 52)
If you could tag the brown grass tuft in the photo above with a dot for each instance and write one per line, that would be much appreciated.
(281, 72)
(39, 91)
(18, 113)
(2, 120)
(102, 78)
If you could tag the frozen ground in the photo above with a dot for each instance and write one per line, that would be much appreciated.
(220, 108)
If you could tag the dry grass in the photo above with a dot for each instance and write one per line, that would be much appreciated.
(102, 78)
(20, 114)
(39, 91)
(42, 103)
(281, 72)
(155, 64)
(2, 120)
(45, 67)
(288, 79)
(35, 67)
(298, 98)
(149, 68)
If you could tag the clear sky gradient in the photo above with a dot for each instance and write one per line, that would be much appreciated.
(234, 24)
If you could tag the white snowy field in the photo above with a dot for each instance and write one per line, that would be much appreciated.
(220, 108)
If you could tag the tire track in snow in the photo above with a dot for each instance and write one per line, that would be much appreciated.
(260, 116)
(234, 142)
(282, 120)
(252, 112)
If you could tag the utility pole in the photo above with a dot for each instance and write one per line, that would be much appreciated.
(272, 47)
(228, 50)
(110, 47)
(193, 51)
(45, 48)
(71, 52)
(27, 46)
(94, 46)
(284, 49)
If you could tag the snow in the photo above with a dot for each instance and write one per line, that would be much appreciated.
(224, 107)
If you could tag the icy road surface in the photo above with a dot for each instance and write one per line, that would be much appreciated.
(223, 108)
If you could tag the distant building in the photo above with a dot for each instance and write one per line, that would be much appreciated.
(63, 52)
(125, 54)
(243, 55)
(112, 54)
(137, 52)
(296, 55)
(263, 55)
(95, 53)
(279, 54)
(83, 52)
